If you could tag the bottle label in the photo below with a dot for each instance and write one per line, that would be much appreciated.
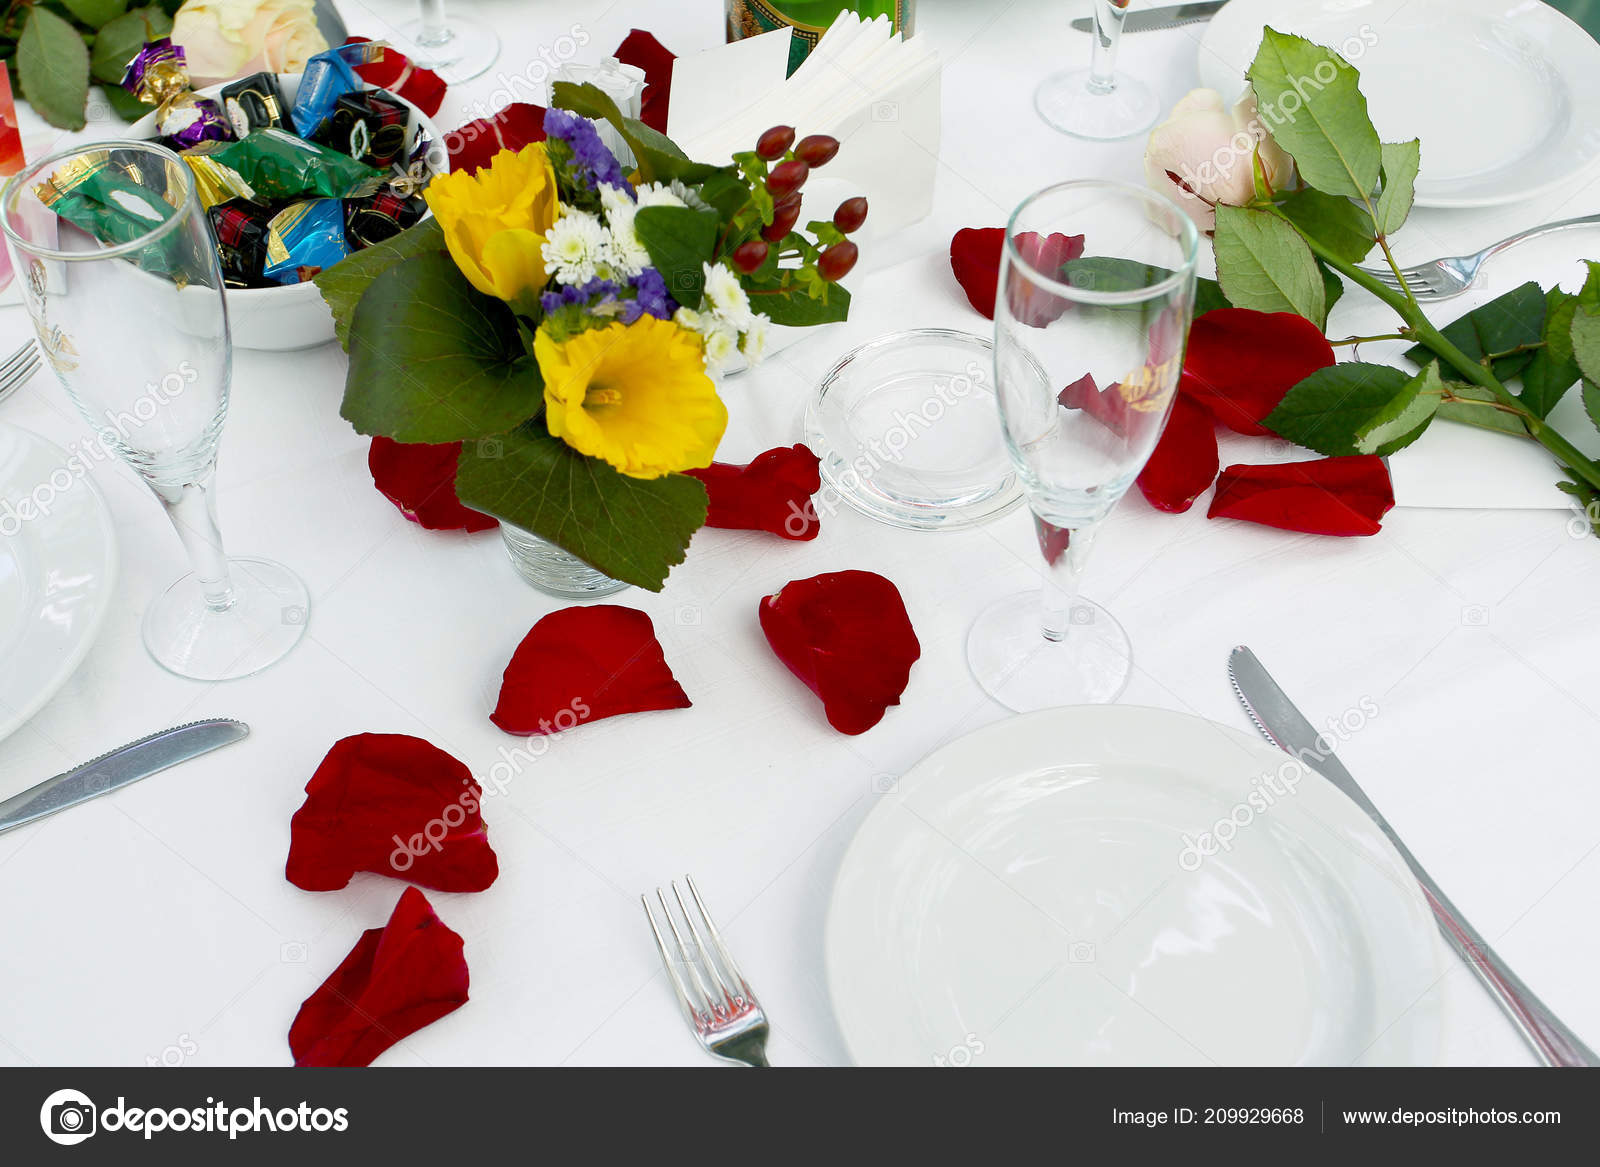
(748, 18)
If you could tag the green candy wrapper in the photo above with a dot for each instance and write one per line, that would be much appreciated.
(278, 165)
(99, 193)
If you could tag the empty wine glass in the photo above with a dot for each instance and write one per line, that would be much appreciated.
(456, 47)
(1094, 102)
(1095, 296)
(122, 281)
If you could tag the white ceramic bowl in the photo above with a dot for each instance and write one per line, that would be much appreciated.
(293, 316)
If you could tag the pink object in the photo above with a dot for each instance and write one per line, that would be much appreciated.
(10, 156)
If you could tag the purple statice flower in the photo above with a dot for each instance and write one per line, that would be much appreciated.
(651, 297)
(580, 294)
(590, 158)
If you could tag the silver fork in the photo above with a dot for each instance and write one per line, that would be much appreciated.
(17, 368)
(716, 999)
(1440, 279)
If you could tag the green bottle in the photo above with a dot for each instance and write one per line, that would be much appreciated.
(809, 19)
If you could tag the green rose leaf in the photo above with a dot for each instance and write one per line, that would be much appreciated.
(1310, 100)
(434, 360)
(633, 529)
(53, 67)
(1400, 163)
(119, 42)
(1338, 410)
(1584, 331)
(1476, 406)
(1553, 369)
(1504, 324)
(1208, 295)
(678, 240)
(95, 13)
(1333, 221)
(657, 156)
(1332, 287)
(1263, 264)
(1585, 497)
(343, 284)
(1591, 402)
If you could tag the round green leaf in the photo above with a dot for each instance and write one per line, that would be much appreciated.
(119, 41)
(53, 66)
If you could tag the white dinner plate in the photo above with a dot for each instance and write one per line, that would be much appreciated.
(58, 565)
(1505, 94)
(1039, 892)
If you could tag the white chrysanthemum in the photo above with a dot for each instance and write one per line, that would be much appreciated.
(690, 319)
(726, 296)
(626, 255)
(721, 344)
(670, 194)
(754, 343)
(575, 247)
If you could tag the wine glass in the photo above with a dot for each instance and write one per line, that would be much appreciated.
(1095, 295)
(456, 47)
(122, 281)
(1095, 103)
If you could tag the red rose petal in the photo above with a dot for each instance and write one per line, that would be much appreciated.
(847, 636)
(1241, 362)
(475, 144)
(975, 260)
(643, 51)
(1053, 540)
(1107, 406)
(394, 71)
(1185, 459)
(583, 664)
(394, 805)
(397, 979)
(773, 493)
(420, 480)
(1325, 496)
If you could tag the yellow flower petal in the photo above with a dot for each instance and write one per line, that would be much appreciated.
(496, 219)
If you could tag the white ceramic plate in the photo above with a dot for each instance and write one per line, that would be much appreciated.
(1505, 94)
(1028, 896)
(58, 565)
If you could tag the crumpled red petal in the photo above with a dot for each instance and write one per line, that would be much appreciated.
(394, 805)
(1325, 496)
(1185, 460)
(643, 51)
(846, 634)
(420, 480)
(581, 664)
(512, 127)
(395, 72)
(1107, 406)
(773, 493)
(397, 979)
(975, 260)
(1241, 362)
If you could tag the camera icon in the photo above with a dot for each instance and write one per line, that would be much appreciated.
(886, 111)
(1080, 952)
(491, 448)
(97, 782)
(1080, 615)
(292, 952)
(685, 281)
(687, 615)
(67, 1117)
(1474, 616)
(885, 783)
(294, 614)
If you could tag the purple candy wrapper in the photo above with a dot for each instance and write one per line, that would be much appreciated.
(159, 76)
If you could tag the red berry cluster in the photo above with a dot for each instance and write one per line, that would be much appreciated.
(783, 183)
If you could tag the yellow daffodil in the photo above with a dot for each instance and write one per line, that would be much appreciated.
(495, 221)
(634, 395)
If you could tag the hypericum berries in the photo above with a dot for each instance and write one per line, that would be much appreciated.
(750, 255)
(775, 142)
(787, 177)
(850, 215)
(817, 149)
(835, 263)
(785, 213)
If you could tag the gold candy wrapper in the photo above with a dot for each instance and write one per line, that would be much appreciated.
(215, 183)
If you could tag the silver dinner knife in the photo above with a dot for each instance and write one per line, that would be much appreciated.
(1155, 19)
(124, 765)
(1286, 727)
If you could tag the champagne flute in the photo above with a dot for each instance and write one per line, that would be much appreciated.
(456, 47)
(124, 287)
(1095, 103)
(1087, 353)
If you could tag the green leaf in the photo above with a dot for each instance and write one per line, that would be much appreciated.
(1505, 323)
(1263, 264)
(1553, 370)
(799, 310)
(1330, 410)
(96, 13)
(1207, 296)
(1400, 163)
(1402, 421)
(1310, 100)
(1484, 415)
(434, 360)
(1585, 498)
(678, 240)
(124, 104)
(1591, 401)
(725, 191)
(657, 156)
(343, 284)
(1585, 332)
(119, 42)
(1332, 288)
(633, 529)
(53, 66)
(1333, 221)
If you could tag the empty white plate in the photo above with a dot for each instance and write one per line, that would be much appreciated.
(58, 565)
(1503, 93)
(1038, 893)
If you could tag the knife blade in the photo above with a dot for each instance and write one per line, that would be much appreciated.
(1155, 19)
(121, 766)
(1282, 724)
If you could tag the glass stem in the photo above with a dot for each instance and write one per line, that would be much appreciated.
(192, 508)
(435, 26)
(1108, 17)
(1066, 553)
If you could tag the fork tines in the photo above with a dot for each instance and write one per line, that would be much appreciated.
(18, 367)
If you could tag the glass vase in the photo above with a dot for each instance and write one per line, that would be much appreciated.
(554, 570)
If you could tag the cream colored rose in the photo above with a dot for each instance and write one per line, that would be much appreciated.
(225, 39)
(1201, 155)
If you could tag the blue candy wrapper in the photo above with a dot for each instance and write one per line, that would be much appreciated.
(328, 77)
(305, 234)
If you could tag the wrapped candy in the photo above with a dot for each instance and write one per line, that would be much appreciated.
(158, 76)
(240, 229)
(215, 183)
(95, 191)
(254, 103)
(304, 235)
(328, 77)
(367, 126)
(279, 165)
(382, 216)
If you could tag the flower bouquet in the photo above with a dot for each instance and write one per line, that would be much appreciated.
(559, 320)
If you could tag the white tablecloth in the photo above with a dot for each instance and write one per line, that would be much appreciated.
(156, 925)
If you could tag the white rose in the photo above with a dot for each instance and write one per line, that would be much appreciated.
(1208, 148)
(225, 39)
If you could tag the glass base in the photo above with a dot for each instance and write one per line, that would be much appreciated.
(470, 48)
(268, 617)
(1019, 668)
(554, 570)
(1067, 103)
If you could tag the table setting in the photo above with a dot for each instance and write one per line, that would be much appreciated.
(921, 503)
